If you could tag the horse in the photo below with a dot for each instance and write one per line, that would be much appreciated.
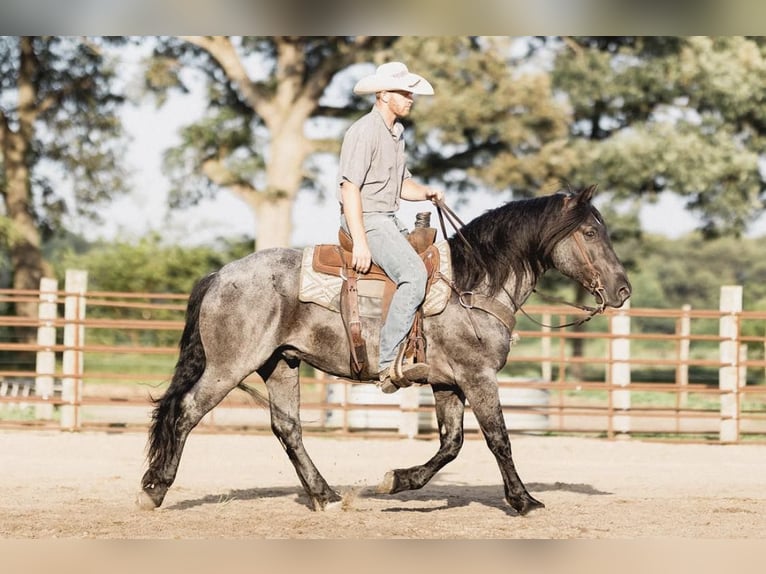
(246, 320)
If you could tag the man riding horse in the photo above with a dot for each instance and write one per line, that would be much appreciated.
(372, 177)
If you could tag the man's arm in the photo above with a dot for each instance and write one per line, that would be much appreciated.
(352, 210)
(414, 191)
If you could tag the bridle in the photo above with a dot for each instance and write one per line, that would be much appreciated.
(596, 287)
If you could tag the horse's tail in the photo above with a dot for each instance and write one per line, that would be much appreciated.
(163, 443)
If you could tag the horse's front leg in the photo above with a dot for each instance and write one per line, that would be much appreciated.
(450, 406)
(482, 394)
(284, 398)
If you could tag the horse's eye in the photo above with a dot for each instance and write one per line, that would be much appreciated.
(589, 233)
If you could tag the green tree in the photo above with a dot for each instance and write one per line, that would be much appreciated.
(649, 114)
(145, 265)
(683, 114)
(691, 270)
(493, 122)
(261, 133)
(58, 110)
(255, 139)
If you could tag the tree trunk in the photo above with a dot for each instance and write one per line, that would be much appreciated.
(273, 206)
(284, 174)
(24, 241)
(24, 250)
(274, 222)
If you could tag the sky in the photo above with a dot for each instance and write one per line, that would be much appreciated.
(315, 219)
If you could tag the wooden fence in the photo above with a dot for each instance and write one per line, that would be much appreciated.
(93, 360)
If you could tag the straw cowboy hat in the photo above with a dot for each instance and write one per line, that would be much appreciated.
(393, 76)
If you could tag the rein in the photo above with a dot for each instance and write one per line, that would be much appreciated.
(463, 297)
(442, 210)
(592, 311)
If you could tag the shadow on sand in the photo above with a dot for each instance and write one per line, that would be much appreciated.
(453, 495)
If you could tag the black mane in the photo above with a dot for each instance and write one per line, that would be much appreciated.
(517, 237)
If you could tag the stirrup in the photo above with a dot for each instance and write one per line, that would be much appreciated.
(399, 376)
(414, 373)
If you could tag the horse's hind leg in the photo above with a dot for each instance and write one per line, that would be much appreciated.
(450, 406)
(176, 414)
(284, 398)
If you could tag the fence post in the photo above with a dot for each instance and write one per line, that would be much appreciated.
(620, 368)
(682, 371)
(76, 285)
(45, 363)
(728, 373)
(545, 343)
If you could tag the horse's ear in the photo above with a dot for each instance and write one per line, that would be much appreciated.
(580, 197)
(587, 193)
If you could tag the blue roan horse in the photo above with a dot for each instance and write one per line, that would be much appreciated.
(246, 319)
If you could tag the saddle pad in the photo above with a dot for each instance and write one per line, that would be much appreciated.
(324, 289)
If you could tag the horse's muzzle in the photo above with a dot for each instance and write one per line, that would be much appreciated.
(619, 294)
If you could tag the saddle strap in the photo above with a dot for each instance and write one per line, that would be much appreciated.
(416, 341)
(349, 303)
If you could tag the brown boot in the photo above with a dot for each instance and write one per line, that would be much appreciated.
(413, 373)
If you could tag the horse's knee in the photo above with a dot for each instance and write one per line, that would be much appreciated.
(288, 432)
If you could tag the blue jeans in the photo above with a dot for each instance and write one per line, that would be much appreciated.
(387, 239)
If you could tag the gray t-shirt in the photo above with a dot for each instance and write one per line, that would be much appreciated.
(372, 158)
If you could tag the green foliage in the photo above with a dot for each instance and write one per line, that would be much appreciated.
(77, 128)
(224, 133)
(249, 107)
(682, 114)
(637, 115)
(691, 270)
(488, 125)
(144, 266)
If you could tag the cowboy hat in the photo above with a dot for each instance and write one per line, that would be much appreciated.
(393, 76)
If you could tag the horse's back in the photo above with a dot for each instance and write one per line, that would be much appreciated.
(255, 284)
(275, 268)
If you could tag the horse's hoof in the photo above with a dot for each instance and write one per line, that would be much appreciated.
(387, 485)
(328, 501)
(525, 505)
(333, 506)
(144, 501)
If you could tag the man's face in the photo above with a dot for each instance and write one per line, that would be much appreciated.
(400, 102)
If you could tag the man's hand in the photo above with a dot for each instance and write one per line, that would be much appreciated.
(435, 195)
(361, 258)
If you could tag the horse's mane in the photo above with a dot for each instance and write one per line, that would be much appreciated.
(517, 237)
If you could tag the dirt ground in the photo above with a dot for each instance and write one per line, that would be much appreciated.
(83, 485)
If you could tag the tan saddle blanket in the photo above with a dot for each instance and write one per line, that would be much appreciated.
(322, 269)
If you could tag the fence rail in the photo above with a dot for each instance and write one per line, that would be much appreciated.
(95, 360)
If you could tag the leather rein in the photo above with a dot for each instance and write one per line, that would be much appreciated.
(470, 300)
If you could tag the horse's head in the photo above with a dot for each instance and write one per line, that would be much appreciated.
(586, 254)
